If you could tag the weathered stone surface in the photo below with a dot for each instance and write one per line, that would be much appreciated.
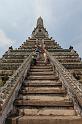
(48, 120)
(45, 92)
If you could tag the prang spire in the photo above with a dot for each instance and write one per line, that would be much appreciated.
(40, 22)
(39, 31)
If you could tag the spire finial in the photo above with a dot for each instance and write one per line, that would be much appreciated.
(40, 22)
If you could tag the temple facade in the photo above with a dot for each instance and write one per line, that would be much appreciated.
(48, 90)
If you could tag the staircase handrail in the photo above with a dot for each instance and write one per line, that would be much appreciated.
(10, 89)
(70, 82)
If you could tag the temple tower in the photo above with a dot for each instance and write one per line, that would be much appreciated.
(43, 92)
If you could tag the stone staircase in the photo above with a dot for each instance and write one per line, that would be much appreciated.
(43, 99)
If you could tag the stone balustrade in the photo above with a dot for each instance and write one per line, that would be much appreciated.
(69, 82)
(73, 65)
(12, 60)
(20, 50)
(64, 54)
(68, 60)
(18, 53)
(10, 89)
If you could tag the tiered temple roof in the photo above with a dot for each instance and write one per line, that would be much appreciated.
(12, 59)
(51, 93)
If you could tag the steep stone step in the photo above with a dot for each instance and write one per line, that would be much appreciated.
(47, 112)
(41, 61)
(41, 67)
(43, 64)
(37, 83)
(50, 77)
(42, 73)
(43, 90)
(43, 100)
(42, 95)
(45, 120)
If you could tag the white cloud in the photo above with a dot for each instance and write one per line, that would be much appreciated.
(63, 20)
(5, 42)
(78, 44)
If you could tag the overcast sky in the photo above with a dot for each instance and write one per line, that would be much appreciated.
(62, 18)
